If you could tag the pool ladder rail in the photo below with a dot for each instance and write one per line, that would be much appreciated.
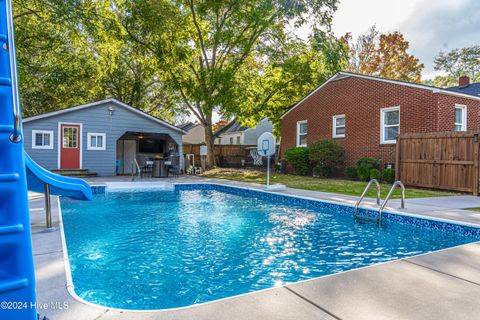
(396, 184)
(136, 170)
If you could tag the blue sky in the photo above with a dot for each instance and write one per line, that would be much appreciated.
(429, 25)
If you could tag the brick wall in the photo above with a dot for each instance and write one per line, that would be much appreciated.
(361, 100)
(446, 111)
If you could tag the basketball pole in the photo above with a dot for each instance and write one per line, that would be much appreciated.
(268, 171)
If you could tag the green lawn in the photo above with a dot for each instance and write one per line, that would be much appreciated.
(473, 209)
(309, 183)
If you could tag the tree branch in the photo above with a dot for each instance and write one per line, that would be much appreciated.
(200, 35)
(198, 113)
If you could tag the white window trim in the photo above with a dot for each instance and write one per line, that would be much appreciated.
(298, 132)
(464, 117)
(383, 126)
(334, 126)
(34, 146)
(89, 141)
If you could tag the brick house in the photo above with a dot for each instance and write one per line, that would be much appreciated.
(365, 114)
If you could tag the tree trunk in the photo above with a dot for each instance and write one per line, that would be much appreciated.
(210, 141)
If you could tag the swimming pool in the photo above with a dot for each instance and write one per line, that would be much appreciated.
(158, 249)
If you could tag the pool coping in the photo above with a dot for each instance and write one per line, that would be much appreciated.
(71, 287)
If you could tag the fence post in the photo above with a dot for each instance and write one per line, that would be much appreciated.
(476, 174)
(397, 159)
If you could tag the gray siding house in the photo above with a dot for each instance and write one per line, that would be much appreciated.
(235, 133)
(103, 137)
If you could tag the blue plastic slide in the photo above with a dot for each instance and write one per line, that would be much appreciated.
(17, 278)
(60, 185)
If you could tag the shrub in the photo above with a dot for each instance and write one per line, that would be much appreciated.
(371, 163)
(375, 174)
(363, 172)
(320, 172)
(389, 175)
(351, 173)
(325, 156)
(298, 159)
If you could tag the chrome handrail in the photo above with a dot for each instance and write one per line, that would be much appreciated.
(137, 167)
(365, 192)
(16, 136)
(397, 183)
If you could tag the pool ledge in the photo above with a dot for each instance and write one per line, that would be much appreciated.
(410, 288)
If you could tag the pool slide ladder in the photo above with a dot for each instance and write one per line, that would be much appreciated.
(17, 280)
(396, 184)
(18, 174)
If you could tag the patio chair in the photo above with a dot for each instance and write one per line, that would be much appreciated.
(147, 169)
(173, 166)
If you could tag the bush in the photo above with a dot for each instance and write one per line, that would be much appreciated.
(351, 173)
(375, 174)
(389, 175)
(298, 159)
(325, 156)
(363, 172)
(371, 163)
(320, 172)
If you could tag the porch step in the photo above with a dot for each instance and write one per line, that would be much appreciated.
(78, 173)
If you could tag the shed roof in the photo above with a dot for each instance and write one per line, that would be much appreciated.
(97, 103)
(187, 126)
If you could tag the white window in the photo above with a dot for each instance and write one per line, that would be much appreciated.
(460, 118)
(231, 140)
(238, 140)
(42, 139)
(96, 141)
(302, 133)
(389, 125)
(338, 126)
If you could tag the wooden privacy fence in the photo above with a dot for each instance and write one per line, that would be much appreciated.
(448, 161)
(226, 155)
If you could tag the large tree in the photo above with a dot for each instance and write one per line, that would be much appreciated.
(72, 52)
(272, 86)
(361, 50)
(456, 63)
(383, 55)
(211, 49)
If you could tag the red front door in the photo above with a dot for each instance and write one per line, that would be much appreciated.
(70, 146)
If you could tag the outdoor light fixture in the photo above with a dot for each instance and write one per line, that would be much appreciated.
(111, 110)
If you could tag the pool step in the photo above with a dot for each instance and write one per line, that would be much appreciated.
(78, 173)
(140, 185)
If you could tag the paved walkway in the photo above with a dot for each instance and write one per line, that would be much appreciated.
(440, 285)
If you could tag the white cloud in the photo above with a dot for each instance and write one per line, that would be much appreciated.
(357, 16)
(442, 25)
(429, 25)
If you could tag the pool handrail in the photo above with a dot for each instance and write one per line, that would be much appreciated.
(396, 184)
(365, 192)
(136, 167)
(16, 136)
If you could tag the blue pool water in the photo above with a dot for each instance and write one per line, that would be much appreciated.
(166, 249)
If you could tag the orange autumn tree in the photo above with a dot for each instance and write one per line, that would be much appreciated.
(219, 124)
(384, 56)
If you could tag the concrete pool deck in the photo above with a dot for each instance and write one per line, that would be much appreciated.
(440, 285)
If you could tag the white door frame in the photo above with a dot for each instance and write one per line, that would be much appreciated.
(80, 135)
